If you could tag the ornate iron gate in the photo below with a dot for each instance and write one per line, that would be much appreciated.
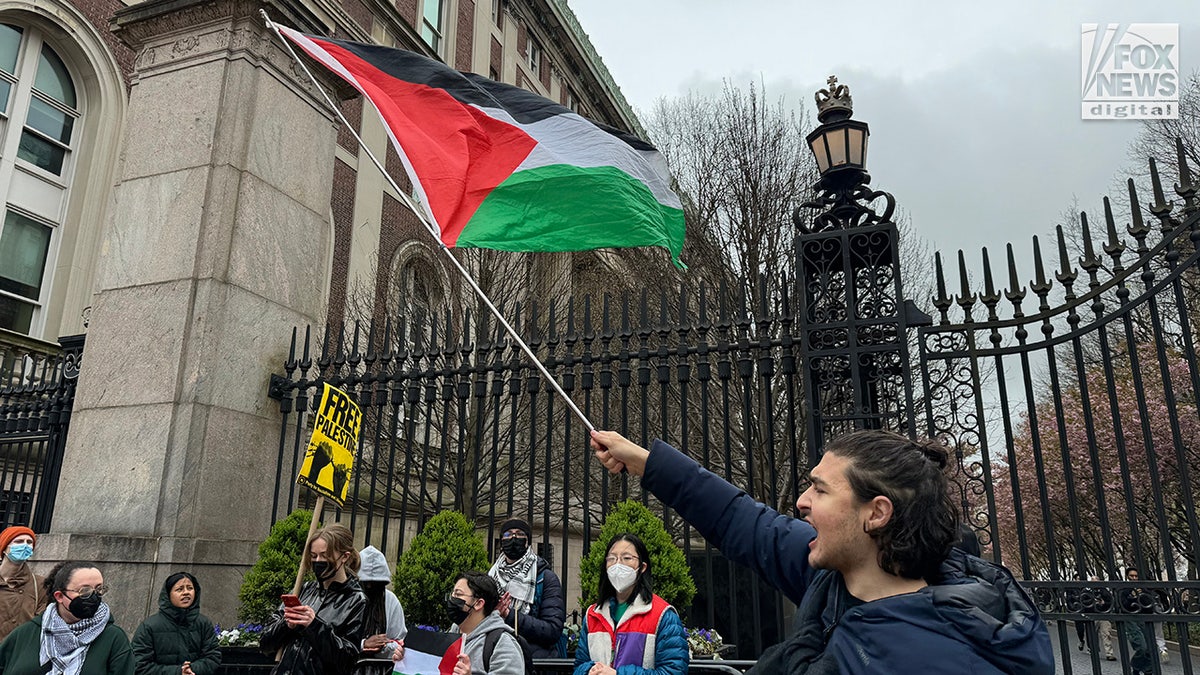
(36, 395)
(1072, 404)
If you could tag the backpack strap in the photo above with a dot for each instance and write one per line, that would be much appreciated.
(489, 646)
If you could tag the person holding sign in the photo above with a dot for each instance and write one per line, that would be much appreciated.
(321, 631)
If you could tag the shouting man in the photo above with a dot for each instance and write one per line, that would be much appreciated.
(871, 564)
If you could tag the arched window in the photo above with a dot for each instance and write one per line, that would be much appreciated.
(40, 114)
(417, 291)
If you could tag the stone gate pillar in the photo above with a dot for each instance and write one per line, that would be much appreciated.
(219, 244)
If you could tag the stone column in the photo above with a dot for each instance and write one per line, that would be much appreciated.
(218, 246)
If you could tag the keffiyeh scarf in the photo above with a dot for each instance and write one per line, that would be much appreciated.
(518, 578)
(65, 646)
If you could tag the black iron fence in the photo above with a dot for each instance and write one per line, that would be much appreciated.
(37, 391)
(1070, 401)
(1072, 404)
(454, 418)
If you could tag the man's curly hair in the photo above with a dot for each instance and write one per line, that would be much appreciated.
(910, 473)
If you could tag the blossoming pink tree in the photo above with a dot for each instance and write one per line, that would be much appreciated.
(1117, 436)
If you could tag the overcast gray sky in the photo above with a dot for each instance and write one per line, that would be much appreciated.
(974, 107)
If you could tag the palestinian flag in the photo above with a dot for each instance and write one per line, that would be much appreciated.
(498, 167)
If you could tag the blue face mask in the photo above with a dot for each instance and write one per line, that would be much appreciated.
(20, 552)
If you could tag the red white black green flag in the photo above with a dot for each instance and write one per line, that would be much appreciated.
(499, 167)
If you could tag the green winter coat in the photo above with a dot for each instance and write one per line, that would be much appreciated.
(109, 653)
(165, 640)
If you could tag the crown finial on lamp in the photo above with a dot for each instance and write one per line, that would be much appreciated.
(834, 103)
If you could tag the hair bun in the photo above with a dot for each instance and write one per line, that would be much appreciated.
(935, 452)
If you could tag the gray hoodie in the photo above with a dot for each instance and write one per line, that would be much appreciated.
(507, 658)
(374, 568)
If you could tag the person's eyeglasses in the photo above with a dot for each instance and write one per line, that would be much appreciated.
(627, 559)
(86, 592)
(513, 535)
(465, 598)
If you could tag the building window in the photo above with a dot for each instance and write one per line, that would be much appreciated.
(39, 116)
(431, 24)
(535, 56)
(572, 101)
(497, 12)
(416, 292)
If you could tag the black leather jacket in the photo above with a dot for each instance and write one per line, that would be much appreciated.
(327, 646)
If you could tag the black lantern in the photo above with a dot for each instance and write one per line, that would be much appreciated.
(839, 144)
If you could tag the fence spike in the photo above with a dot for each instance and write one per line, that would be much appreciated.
(1089, 261)
(1137, 228)
(370, 356)
(942, 302)
(1066, 273)
(291, 359)
(722, 301)
(966, 299)
(306, 359)
(1161, 207)
(387, 338)
(571, 334)
(1015, 292)
(1185, 187)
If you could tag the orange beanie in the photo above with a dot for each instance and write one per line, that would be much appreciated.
(10, 533)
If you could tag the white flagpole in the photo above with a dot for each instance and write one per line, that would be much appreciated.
(432, 229)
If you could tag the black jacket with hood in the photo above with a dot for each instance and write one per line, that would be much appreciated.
(330, 644)
(167, 639)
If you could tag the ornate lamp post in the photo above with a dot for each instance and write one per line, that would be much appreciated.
(852, 309)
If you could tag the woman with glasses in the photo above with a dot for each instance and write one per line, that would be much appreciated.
(21, 595)
(322, 634)
(75, 635)
(630, 627)
(531, 596)
(178, 640)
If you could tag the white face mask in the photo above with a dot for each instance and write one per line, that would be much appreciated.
(623, 577)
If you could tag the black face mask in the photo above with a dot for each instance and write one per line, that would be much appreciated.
(457, 610)
(373, 587)
(85, 608)
(324, 570)
(514, 548)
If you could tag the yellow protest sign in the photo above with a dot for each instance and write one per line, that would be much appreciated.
(329, 462)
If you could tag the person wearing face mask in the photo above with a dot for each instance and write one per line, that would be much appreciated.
(324, 633)
(178, 640)
(630, 630)
(75, 635)
(21, 595)
(383, 622)
(531, 599)
(488, 646)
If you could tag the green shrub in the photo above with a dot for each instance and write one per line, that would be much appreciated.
(445, 548)
(275, 571)
(668, 568)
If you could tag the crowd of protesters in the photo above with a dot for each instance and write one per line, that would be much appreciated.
(876, 564)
